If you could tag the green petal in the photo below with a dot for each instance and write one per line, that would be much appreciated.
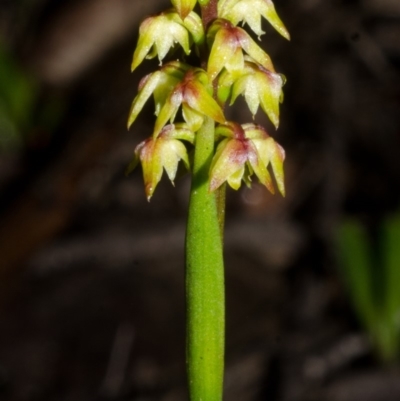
(228, 161)
(171, 152)
(269, 13)
(222, 50)
(235, 179)
(193, 118)
(235, 62)
(220, 148)
(145, 42)
(168, 111)
(182, 132)
(198, 98)
(224, 6)
(252, 95)
(194, 25)
(167, 33)
(225, 82)
(176, 69)
(263, 149)
(255, 51)
(163, 90)
(181, 151)
(238, 88)
(224, 130)
(151, 165)
(270, 95)
(254, 131)
(184, 7)
(201, 77)
(277, 156)
(249, 87)
(173, 73)
(271, 152)
(148, 85)
(152, 53)
(259, 168)
(247, 176)
(247, 11)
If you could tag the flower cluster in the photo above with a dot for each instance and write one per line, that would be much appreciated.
(235, 65)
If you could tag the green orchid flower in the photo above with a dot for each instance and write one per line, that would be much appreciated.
(246, 149)
(194, 94)
(258, 86)
(177, 84)
(158, 34)
(159, 84)
(163, 152)
(250, 12)
(270, 151)
(227, 43)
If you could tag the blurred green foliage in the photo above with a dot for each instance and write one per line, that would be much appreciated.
(29, 115)
(371, 268)
(18, 94)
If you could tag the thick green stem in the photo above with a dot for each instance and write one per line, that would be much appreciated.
(204, 279)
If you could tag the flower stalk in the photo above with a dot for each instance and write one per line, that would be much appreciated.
(230, 63)
(205, 294)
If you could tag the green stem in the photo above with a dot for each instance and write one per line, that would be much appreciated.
(220, 197)
(205, 296)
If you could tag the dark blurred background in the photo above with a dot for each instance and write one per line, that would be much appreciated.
(91, 275)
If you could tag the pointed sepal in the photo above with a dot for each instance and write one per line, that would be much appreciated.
(184, 7)
(269, 150)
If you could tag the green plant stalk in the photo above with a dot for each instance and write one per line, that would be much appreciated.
(220, 197)
(205, 297)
